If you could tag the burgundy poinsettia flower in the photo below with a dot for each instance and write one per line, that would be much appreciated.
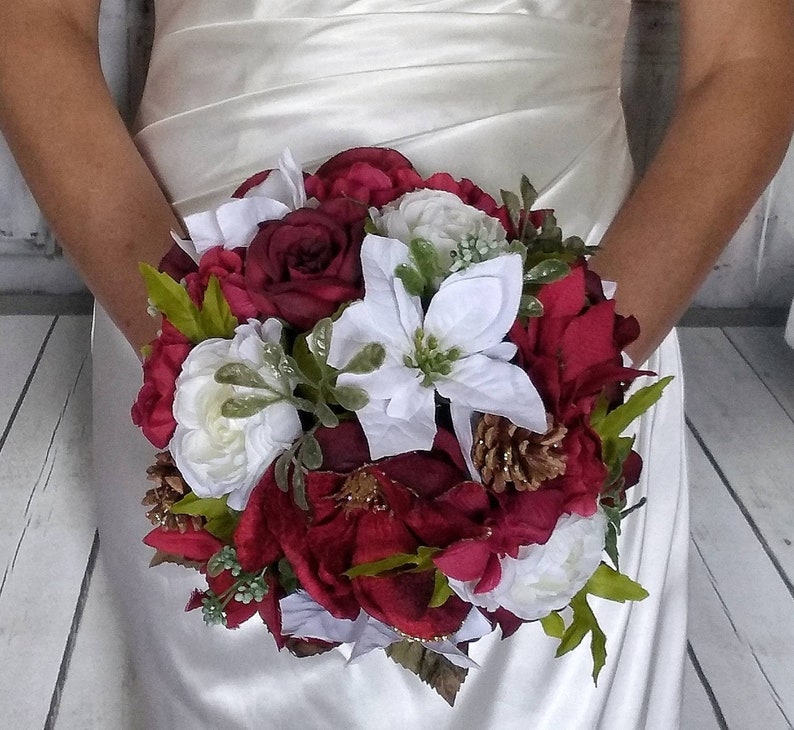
(152, 410)
(368, 175)
(302, 267)
(362, 513)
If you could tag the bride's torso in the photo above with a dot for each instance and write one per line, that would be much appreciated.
(488, 89)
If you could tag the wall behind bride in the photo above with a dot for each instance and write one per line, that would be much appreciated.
(756, 271)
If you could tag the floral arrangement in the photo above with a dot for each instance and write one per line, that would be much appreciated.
(391, 414)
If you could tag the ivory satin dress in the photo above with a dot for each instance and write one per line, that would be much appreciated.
(487, 89)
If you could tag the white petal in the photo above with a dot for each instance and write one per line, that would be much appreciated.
(284, 184)
(239, 219)
(388, 381)
(356, 327)
(375, 635)
(390, 436)
(463, 425)
(384, 293)
(492, 386)
(187, 246)
(303, 617)
(501, 351)
(474, 308)
(452, 653)
(204, 230)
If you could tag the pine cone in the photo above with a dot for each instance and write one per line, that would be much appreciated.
(171, 487)
(504, 454)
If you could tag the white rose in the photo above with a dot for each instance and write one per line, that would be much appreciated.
(544, 578)
(219, 455)
(444, 220)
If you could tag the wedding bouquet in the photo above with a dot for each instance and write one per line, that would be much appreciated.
(391, 411)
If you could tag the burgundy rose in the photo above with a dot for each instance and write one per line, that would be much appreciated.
(368, 175)
(152, 410)
(227, 267)
(301, 268)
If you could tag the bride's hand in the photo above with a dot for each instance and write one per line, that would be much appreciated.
(76, 154)
(733, 120)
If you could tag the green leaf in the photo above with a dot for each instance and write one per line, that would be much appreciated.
(422, 560)
(245, 406)
(281, 470)
(600, 411)
(513, 204)
(286, 576)
(425, 258)
(553, 625)
(432, 668)
(216, 318)
(611, 544)
(614, 451)
(146, 351)
(221, 521)
(368, 359)
(441, 590)
(547, 271)
(237, 373)
(529, 195)
(299, 488)
(584, 622)
(173, 301)
(618, 420)
(608, 583)
(530, 306)
(306, 360)
(311, 455)
(325, 415)
(320, 340)
(412, 280)
(350, 397)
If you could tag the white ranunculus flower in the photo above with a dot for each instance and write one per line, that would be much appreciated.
(544, 578)
(219, 455)
(444, 220)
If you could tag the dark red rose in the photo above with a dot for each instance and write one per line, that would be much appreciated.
(152, 410)
(301, 268)
(177, 264)
(412, 502)
(227, 266)
(369, 175)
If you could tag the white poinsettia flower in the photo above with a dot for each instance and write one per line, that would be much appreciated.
(218, 455)
(304, 618)
(455, 349)
(460, 233)
(544, 578)
(235, 223)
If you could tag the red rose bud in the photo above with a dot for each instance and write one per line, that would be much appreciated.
(227, 267)
(152, 410)
(368, 175)
(301, 268)
(196, 545)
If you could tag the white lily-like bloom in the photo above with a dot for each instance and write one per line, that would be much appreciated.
(219, 455)
(235, 223)
(544, 578)
(304, 618)
(455, 349)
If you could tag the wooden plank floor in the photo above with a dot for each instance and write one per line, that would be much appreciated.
(65, 665)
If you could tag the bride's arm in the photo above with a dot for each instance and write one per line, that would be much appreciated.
(76, 155)
(734, 115)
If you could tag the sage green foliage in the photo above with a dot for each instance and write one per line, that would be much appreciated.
(221, 519)
(247, 588)
(419, 277)
(430, 358)
(170, 298)
(605, 583)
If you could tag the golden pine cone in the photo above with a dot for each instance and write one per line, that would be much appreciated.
(171, 487)
(505, 454)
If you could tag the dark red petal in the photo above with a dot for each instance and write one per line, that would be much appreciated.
(197, 545)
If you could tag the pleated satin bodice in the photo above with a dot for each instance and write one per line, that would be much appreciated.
(488, 89)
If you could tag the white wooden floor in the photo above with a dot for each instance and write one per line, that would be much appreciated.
(63, 665)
